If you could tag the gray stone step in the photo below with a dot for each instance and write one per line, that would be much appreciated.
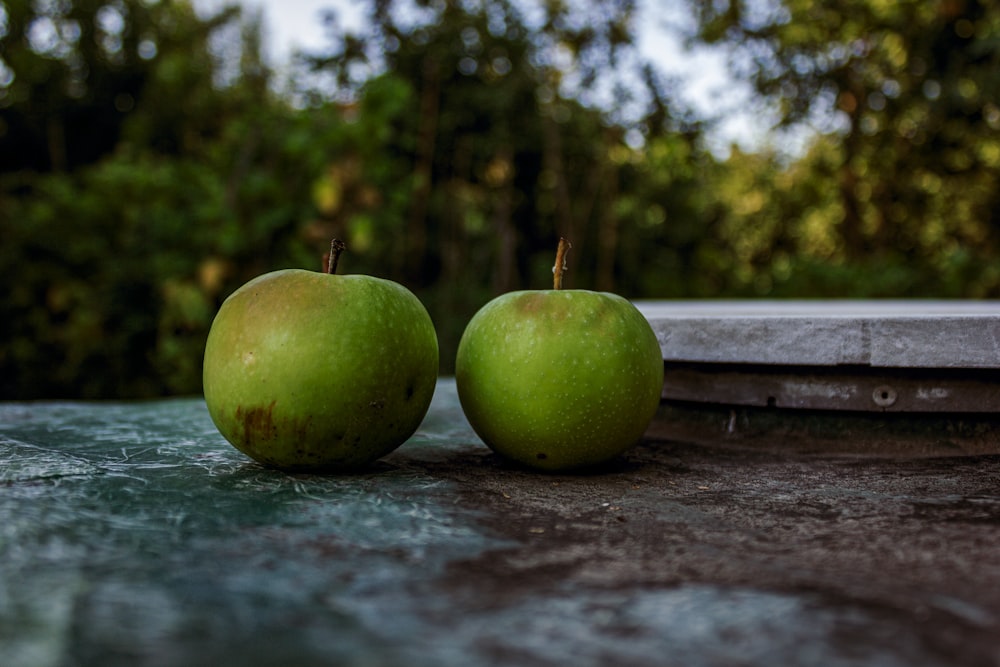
(880, 334)
(859, 356)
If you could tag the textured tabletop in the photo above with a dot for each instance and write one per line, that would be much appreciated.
(132, 534)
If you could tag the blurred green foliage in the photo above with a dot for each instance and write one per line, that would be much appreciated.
(150, 163)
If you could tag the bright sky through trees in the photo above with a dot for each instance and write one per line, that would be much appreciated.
(297, 24)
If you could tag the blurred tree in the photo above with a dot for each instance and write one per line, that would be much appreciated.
(117, 257)
(74, 74)
(496, 146)
(913, 88)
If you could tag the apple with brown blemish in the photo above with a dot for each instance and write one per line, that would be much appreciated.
(559, 379)
(311, 371)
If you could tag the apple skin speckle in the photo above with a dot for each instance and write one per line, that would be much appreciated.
(571, 374)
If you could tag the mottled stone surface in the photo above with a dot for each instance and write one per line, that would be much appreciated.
(133, 534)
(894, 334)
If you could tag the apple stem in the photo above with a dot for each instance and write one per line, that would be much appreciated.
(336, 247)
(560, 265)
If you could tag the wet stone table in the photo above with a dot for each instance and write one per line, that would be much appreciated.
(132, 534)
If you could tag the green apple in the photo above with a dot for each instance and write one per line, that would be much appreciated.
(310, 371)
(559, 379)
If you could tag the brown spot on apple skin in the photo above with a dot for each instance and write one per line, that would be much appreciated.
(257, 429)
(257, 422)
(530, 302)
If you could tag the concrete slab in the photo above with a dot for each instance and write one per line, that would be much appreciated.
(909, 357)
(881, 334)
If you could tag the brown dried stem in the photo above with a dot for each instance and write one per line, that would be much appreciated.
(560, 266)
(336, 247)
